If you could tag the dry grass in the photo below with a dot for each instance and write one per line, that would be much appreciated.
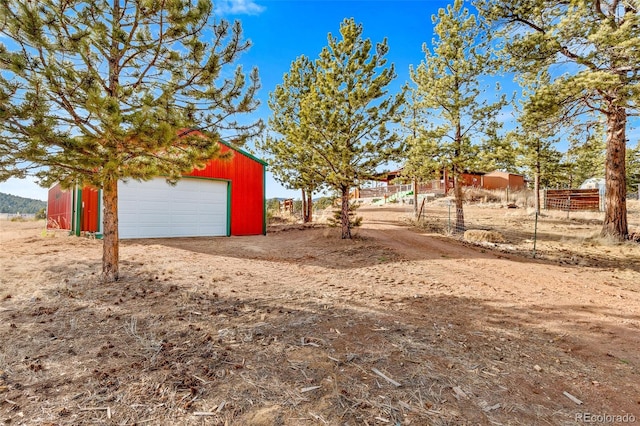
(301, 327)
(479, 235)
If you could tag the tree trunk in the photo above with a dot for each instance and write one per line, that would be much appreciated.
(457, 190)
(615, 211)
(110, 242)
(457, 184)
(344, 214)
(304, 206)
(536, 192)
(309, 206)
(415, 198)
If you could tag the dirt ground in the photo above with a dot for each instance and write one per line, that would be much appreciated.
(395, 327)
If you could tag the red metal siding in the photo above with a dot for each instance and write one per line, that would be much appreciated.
(247, 190)
(90, 210)
(245, 173)
(59, 208)
(503, 180)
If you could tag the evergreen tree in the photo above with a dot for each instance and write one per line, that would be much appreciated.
(93, 92)
(586, 156)
(345, 114)
(498, 153)
(633, 169)
(536, 138)
(449, 82)
(422, 160)
(537, 156)
(601, 40)
(291, 158)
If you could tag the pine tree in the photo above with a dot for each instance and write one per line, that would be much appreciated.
(537, 156)
(633, 169)
(536, 137)
(497, 153)
(93, 92)
(449, 82)
(586, 155)
(601, 41)
(345, 114)
(422, 161)
(288, 145)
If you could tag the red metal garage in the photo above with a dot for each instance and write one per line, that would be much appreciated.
(60, 208)
(247, 176)
(237, 185)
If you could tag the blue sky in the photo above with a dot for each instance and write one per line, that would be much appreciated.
(282, 30)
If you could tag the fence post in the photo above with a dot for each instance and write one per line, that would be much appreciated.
(449, 224)
(535, 235)
(421, 207)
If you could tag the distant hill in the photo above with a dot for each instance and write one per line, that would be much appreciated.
(14, 204)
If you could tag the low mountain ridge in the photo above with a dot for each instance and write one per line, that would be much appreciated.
(14, 204)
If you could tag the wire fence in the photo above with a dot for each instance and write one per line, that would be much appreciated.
(504, 219)
(514, 225)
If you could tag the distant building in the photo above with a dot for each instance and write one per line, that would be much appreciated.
(504, 180)
(593, 183)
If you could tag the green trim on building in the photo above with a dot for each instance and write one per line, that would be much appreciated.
(228, 208)
(227, 144)
(243, 152)
(78, 212)
(264, 200)
(98, 234)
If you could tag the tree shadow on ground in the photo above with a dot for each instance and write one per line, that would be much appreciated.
(157, 350)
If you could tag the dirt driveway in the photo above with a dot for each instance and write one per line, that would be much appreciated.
(300, 327)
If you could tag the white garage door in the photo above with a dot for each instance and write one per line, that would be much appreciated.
(192, 208)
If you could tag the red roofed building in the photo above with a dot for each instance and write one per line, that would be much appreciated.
(226, 198)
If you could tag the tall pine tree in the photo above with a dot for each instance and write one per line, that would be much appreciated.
(422, 157)
(537, 156)
(344, 114)
(288, 144)
(586, 155)
(601, 41)
(449, 82)
(96, 91)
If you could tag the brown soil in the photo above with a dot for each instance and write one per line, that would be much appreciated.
(394, 327)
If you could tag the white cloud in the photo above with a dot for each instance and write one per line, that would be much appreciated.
(238, 7)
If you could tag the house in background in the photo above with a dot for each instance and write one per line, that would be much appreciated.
(504, 180)
(468, 178)
(225, 198)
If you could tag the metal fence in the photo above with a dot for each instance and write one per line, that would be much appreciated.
(573, 199)
(516, 226)
(508, 220)
(434, 187)
(14, 216)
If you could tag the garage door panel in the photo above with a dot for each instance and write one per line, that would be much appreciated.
(193, 207)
